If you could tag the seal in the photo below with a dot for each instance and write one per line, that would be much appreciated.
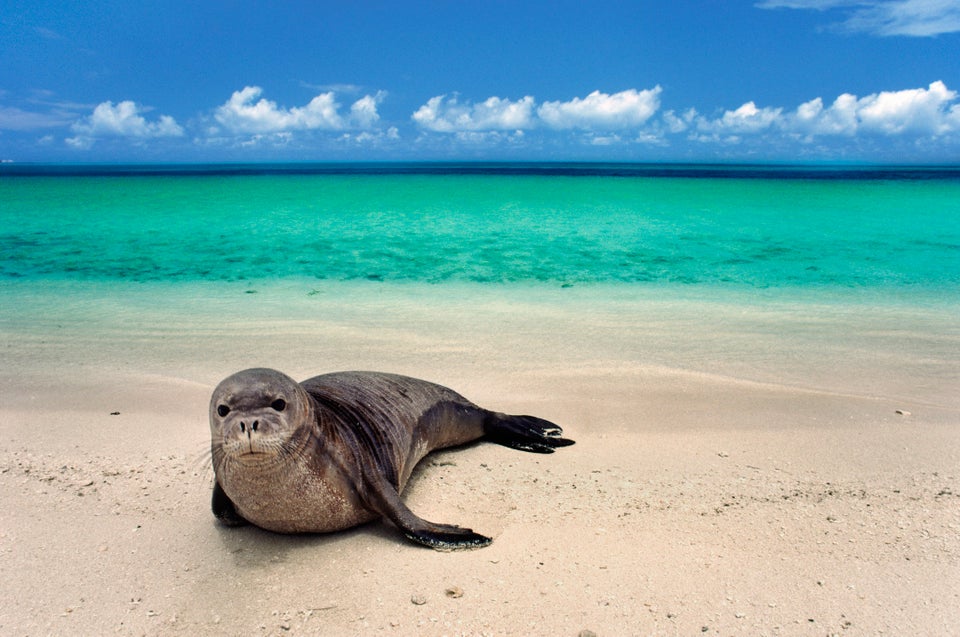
(336, 450)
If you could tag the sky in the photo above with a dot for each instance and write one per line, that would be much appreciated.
(559, 80)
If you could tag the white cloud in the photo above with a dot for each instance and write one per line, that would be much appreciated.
(839, 119)
(241, 114)
(604, 140)
(916, 116)
(679, 123)
(919, 18)
(444, 114)
(13, 118)
(122, 120)
(489, 138)
(932, 111)
(332, 88)
(272, 140)
(626, 109)
(363, 112)
(597, 111)
(244, 113)
(655, 137)
(746, 119)
(910, 111)
(371, 138)
(929, 111)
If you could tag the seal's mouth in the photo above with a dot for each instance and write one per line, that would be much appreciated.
(254, 450)
(247, 451)
(254, 453)
(254, 460)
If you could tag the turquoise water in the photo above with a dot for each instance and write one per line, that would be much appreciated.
(733, 227)
(841, 280)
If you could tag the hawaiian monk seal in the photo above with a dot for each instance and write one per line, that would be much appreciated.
(336, 450)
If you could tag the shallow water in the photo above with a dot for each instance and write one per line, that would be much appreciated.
(465, 334)
(843, 281)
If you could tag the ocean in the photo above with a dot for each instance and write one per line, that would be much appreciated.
(832, 279)
(888, 230)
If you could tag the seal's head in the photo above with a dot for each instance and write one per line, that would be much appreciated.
(256, 416)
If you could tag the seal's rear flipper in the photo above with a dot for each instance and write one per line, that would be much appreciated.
(527, 433)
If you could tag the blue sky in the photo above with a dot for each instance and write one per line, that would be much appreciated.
(715, 80)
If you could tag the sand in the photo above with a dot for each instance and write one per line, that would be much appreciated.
(754, 467)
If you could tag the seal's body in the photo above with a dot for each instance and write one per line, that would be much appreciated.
(336, 450)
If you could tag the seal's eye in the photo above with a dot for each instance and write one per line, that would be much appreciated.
(279, 404)
(223, 410)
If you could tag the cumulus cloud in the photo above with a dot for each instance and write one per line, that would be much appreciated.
(598, 110)
(363, 112)
(918, 18)
(931, 111)
(678, 123)
(840, 118)
(446, 114)
(629, 117)
(245, 113)
(910, 111)
(915, 116)
(121, 120)
(746, 119)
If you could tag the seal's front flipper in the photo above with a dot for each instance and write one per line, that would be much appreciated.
(442, 537)
(527, 433)
(223, 508)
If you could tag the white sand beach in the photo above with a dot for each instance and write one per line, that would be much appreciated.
(757, 467)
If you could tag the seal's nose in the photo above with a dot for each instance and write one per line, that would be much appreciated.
(253, 426)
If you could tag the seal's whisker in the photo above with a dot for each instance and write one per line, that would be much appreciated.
(201, 466)
(200, 458)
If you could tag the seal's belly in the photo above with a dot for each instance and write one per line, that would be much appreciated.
(296, 501)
